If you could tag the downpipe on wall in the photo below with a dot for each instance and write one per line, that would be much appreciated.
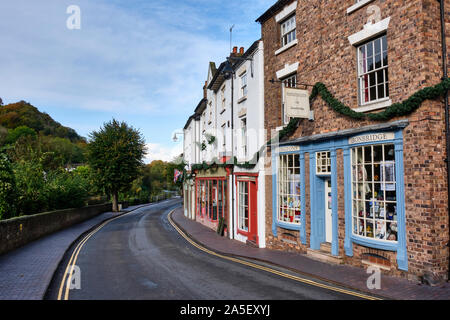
(447, 125)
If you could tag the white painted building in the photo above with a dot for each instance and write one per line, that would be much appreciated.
(228, 124)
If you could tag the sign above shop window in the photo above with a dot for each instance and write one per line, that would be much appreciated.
(296, 103)
(289, 149)
(372, 137)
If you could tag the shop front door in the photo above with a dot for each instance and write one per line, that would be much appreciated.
(247, 208)
(328, 212)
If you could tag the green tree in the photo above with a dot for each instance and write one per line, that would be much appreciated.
(8, 190)
(3, 135)
(18, 132)
(65, 189)
(116, 154)
(30, 180)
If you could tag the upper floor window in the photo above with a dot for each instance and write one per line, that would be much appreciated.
(224, 136)
(244, 136)
(288, 30)
(244, 88)
(222, 97)
(291, 81)
(210, 112)
(373, 77)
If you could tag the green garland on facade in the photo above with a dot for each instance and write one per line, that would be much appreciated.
(395, 110)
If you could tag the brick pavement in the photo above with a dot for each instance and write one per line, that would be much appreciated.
(346, 276)
(26, 272)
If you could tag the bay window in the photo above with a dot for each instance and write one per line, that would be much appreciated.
(374, 196)
(288, 189)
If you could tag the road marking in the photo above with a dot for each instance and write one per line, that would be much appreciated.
(74, 256)
(256, 266)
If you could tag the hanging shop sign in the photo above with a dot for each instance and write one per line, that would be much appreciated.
(373, 137)
(296, 103)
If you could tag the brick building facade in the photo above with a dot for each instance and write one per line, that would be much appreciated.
(370, 192)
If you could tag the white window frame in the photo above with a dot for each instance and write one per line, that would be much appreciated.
(288, 29)
(224, 136)
(244, 136)
(210, 112)
(243, 205)
(244, 86)
(323, 163)
(382, 205)
(373, 81)
(288, 178)
(222, 97)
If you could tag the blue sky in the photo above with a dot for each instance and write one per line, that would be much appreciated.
(140, 61)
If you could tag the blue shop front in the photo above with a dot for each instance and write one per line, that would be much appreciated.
(344, 190)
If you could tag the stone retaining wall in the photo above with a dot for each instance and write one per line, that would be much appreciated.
(19, 231)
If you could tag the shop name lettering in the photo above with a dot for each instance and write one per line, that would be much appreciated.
(371, 138)
(242, 309)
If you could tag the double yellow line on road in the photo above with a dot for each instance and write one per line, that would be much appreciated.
(73, 260)
(279, 273)
(67, 276)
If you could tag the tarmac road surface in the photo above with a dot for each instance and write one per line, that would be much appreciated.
(141, 256)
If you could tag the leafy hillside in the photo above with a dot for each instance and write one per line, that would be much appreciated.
(20, 114)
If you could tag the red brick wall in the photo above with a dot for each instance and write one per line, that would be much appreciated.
(414, 57)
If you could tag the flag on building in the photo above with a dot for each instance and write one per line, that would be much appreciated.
(176, 175)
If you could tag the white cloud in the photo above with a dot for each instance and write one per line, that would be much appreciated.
(119, 61)
(156, 151)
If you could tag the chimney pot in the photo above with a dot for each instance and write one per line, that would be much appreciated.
(241, 50)
(235, 49)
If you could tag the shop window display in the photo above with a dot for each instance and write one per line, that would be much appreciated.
(211, 198)
(243, 205)
(374, 194)
(288, 189)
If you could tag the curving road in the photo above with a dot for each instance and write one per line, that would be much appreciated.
(141, 256)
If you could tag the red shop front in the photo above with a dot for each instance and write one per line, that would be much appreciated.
(211, 200)
(247, 206)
